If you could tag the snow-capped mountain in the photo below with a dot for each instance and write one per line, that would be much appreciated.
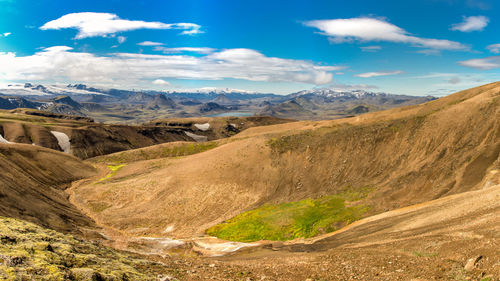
(211, 90)
(29, 89)
(335, 93)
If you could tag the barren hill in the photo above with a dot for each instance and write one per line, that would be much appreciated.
(402, 156)
(32, 186)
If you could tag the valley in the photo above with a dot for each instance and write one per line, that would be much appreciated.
(409, 193)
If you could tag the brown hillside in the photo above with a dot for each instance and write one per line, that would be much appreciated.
(32, 186)
(407, 155)
(89, 139)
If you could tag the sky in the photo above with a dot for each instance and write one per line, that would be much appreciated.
(426, 47)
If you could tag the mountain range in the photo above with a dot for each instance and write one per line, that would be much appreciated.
(138, 106)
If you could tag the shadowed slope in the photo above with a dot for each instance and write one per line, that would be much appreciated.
(32, 186)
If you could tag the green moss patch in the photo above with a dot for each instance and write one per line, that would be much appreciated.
(286, 221)
(30, 252)
(114, 169)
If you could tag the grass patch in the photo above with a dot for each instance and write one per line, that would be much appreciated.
(114, 169)
(355, 194)
(286, 221)
(423, 254)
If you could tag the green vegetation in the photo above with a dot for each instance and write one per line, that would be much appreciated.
(286, 221)
(156, 152)
(114, 169)
(423, 254)
(352, 194)
(30, 252)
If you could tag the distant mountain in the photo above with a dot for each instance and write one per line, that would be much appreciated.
(332, 95)
(63, 105)
(127, 106)
(140, 98)
(67, 101)
(330, 103)
(161, 101)
(288, 108)
(211, 106)
(222, 99)
(16, 102)
(208, 94)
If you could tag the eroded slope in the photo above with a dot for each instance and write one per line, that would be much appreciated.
(32, 186)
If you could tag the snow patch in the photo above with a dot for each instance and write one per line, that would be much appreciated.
(169, 228)
(196, 137)
(203, 127)
(220, 249)
(2, 140)
(165, 243)
(63, 141)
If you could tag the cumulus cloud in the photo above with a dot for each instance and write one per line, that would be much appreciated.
(454, 80)
(429, 52)
(5, 34)
(161, 82)
(62, 64)
(377, 74)
(349, 87)
(483, 64)
(373, 29)
(121, 39)
(105, 24)
(150, 43)
(494, 48)
(199, 50)
(472, 23)
(370, 48)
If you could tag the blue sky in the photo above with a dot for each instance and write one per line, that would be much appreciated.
(424, 47)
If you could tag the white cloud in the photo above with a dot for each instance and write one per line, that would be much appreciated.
(348, 87)
(370, 48)
(472, 23)
(121, 39)
(62, 64)
(106, 24)
(377, 74)
(199, 50)
(429, 52)
(494, 48)
(161, 82)
(372, 29)
(483, 64)
(149, 43)
(5, 34)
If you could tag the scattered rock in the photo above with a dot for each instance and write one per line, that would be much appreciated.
(85, 274)
(166, 278)
(471, 263)
(275, 246)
